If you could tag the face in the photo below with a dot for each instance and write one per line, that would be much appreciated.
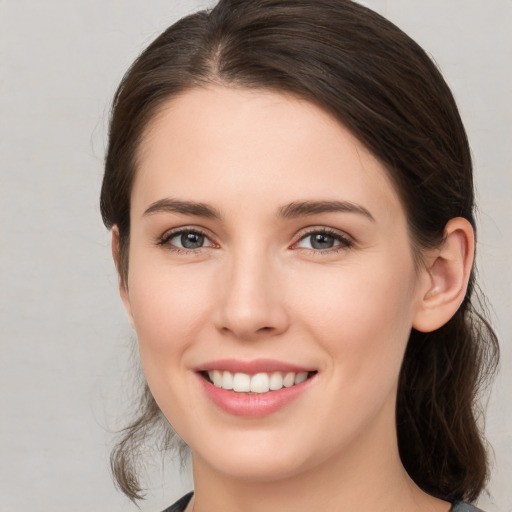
(269, 252)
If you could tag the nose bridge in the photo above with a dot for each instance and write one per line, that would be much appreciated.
(251, 302)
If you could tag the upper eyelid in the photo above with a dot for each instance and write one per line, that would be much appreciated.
(323, 229)
(185, 229)
(171, 233)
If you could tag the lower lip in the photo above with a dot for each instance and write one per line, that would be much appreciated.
(254, 405)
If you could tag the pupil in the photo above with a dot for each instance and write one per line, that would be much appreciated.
(192, 240)
(321, 241)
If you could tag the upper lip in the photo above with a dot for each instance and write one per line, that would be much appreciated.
(252, 367)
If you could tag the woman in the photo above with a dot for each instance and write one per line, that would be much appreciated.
(290, 193)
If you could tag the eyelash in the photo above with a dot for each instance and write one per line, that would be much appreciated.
(344, 242)
(167, 237)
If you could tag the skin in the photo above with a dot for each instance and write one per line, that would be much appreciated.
(258, 288)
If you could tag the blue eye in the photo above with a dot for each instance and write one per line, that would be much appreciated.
(188, 239)
(323, 241)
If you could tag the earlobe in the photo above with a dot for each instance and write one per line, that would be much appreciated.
(123, 286)
(447, 274)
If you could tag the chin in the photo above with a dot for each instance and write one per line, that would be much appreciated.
(256, 456)
(257, 468)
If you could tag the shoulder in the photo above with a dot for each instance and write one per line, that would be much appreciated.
(181, 504)
(459, 506)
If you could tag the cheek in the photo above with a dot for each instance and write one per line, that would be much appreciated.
(167, 307)
(362, 317)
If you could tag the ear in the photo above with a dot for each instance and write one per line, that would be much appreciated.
(447, 271)
(123, 286)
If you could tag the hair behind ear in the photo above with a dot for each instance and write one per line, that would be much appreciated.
(131, 447)
(120, 254)
(451, 355)
(440, 434)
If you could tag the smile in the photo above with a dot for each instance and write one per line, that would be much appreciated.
(259, 383)
(254, 388)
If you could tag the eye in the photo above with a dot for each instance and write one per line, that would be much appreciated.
(186, 239)
(324, 240)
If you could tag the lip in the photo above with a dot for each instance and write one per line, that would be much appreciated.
(257, 404)
(252, 367)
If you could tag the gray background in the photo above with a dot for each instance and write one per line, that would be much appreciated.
(66, 348)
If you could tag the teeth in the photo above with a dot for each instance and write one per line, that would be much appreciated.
(276, 381)
(241, 383)
(217, 378)
(258, 383)
(301, 377)
(227, 380)
(289, 380)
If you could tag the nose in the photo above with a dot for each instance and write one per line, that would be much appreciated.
(251, 302)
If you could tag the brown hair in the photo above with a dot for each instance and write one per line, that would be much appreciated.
(383, 87)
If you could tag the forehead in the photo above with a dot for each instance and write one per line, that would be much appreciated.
(214, 144)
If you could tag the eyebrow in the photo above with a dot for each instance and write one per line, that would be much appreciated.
(183, 207)
(305, 208)
(289, 211)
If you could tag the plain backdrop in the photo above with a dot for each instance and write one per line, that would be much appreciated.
(66, 365)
